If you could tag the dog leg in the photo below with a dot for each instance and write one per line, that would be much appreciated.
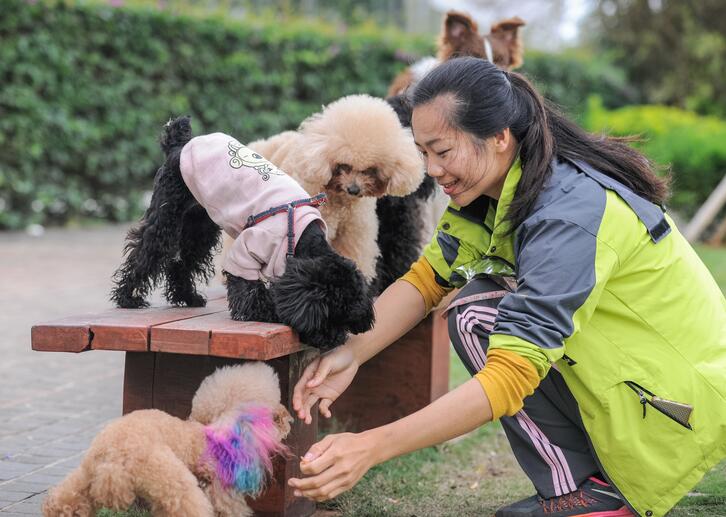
(70, 498)
(227, 502)
(358, 241)
(170, 488)
(250, 300)
(154, 242)
(198, 242)
(112, 487)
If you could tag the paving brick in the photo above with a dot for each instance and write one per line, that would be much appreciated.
(52, 405)
(31, 459)
(42, 478)
(24, 509)
(10, 469)
(14, 497)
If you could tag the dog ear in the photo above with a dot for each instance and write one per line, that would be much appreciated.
(315, 168)
(325, 339)
(506, 33)
(300, 295)
(360, 312)
(406, 170)
(458, 29)
(242, 444)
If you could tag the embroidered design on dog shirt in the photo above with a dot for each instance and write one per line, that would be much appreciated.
(244, 156)
(232, 188)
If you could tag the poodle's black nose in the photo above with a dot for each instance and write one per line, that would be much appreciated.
(353, 189)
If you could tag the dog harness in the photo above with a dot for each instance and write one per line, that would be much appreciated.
(315, 201)
(237, 187)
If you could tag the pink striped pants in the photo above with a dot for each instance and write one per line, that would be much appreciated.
(547, 435)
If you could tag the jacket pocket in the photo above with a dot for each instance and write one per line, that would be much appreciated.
(679, 412)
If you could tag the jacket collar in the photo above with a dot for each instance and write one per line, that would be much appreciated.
(502, 245)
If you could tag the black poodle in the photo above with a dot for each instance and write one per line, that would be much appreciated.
(320, 294)
(400, 219)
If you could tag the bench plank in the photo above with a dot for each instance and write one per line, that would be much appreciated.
(72, 334)
(128, 329)
(113, 329)
(218, 335)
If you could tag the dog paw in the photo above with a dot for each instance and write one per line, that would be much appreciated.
(254, 304)
(252, 314)
(195, 300)
(130, 302)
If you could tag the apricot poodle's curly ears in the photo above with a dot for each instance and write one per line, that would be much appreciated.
(314, 164)
(242, 448)
(406, 170)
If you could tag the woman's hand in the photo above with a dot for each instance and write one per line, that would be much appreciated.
(334, 465)
(324, 379)
(338, 461)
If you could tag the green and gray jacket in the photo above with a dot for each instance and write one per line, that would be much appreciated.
(611, 294)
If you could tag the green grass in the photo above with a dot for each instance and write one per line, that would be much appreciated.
(477, 473)
(715, 260)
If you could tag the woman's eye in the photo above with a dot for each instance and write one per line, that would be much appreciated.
(442, 154)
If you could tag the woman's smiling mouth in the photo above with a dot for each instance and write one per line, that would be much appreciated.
(449, 187)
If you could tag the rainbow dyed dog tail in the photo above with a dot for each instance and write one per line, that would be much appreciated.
(242, 449)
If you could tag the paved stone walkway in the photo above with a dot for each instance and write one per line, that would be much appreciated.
(52, 404)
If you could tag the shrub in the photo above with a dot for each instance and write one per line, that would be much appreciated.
(570, 78)
(87, 88)
(692, 145)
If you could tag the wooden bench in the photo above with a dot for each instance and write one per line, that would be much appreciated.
(170, 350)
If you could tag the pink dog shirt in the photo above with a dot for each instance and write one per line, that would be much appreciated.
(232, 183)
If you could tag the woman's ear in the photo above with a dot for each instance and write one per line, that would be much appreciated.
(503, 140)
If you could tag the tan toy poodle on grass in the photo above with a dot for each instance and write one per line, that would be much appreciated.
(355, 151)
(200, 467)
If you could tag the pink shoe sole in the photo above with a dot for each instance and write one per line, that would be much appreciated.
(620, 512)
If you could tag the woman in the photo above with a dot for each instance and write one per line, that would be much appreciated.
(591, 328)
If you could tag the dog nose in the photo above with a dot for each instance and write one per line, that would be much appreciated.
(353, 190)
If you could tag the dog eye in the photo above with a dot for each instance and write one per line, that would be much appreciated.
(371, 171)
(341, 167)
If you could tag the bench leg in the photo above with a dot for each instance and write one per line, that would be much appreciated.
(408, 375)
(168, 382)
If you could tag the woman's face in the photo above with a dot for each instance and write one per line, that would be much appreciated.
(465, 166)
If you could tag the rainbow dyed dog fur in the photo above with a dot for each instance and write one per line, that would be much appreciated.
(200, 467)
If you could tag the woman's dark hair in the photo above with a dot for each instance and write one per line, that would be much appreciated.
(488, 100)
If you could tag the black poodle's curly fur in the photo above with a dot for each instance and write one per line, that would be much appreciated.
(321, 295)
(399, 220)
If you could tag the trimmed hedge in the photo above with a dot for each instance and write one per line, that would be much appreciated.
(570, 78)
(693, 146)
(86, 90)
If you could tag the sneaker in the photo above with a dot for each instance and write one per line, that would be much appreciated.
(594, 498)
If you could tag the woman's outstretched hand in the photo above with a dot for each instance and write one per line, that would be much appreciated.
(333, 465)
(324, 380)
